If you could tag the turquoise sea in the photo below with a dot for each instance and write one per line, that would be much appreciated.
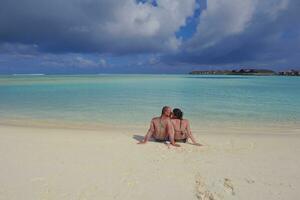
(132, 100)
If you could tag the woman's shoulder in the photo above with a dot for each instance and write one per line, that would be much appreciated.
(173, 120)
(186, 121)
(183, 120)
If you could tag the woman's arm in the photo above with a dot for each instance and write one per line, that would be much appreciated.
(190, 135)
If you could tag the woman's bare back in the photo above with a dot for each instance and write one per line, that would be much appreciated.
(180, 128)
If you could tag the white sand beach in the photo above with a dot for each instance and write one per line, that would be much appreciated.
(40, 163)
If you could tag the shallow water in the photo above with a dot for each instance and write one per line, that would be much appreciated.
(132, 100)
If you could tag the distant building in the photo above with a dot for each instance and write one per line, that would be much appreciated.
(245, 71)
(289, 73)
(258, 72)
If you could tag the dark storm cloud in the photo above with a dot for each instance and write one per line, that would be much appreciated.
(258, 33)
(112, 26)
(84, 33)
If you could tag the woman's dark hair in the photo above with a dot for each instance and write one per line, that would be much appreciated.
(177, 113)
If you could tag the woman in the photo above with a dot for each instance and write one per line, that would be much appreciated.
(182, 128)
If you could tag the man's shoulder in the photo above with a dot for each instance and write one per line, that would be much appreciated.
(155, 118)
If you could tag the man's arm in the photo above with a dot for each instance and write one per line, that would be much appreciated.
(149, 133)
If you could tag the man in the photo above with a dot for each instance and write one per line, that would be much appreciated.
(161, 128)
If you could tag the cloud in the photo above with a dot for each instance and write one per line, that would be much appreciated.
(18, 49)
(248, 32)
(145, 35)
(119, 27)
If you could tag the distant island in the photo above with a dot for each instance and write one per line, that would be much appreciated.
(255, 72)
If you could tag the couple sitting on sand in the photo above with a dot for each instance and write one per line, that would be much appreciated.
(170, 127)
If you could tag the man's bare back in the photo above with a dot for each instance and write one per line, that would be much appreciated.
(160, 126)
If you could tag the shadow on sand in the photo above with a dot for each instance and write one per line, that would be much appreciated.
(140, 138)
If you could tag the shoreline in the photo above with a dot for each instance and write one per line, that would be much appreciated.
(40, 163)
(215, 127)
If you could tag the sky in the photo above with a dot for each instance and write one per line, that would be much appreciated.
(147, 36)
